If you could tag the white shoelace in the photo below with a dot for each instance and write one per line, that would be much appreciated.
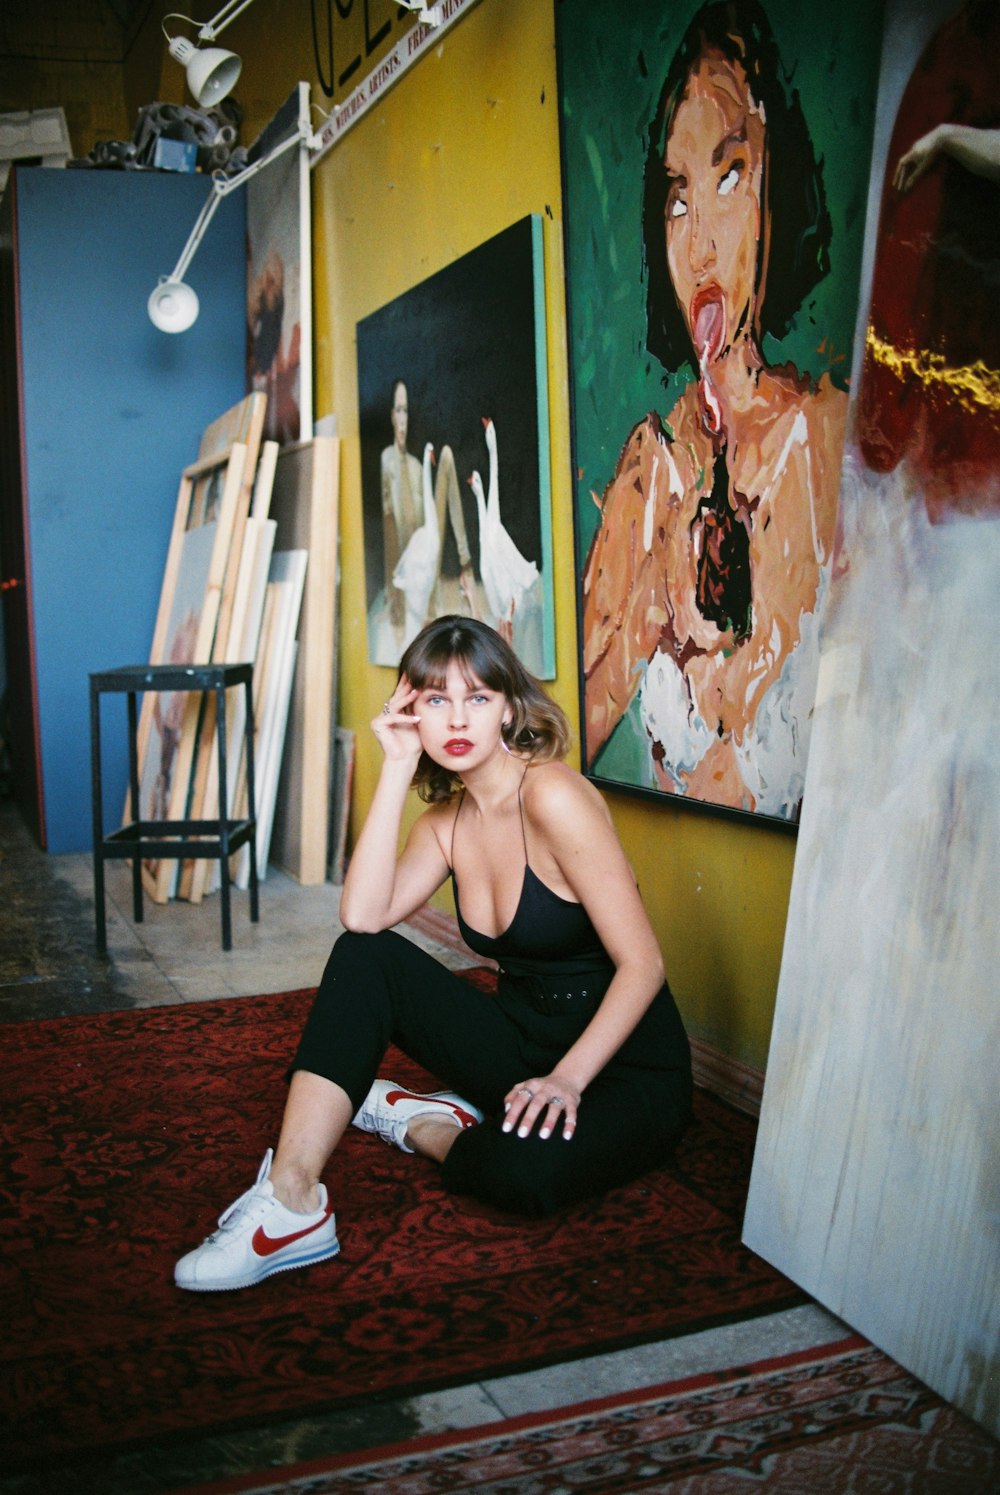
(253, 1196)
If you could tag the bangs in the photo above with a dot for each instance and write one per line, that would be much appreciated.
(428, 658)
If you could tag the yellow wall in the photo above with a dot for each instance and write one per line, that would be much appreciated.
(466, 143)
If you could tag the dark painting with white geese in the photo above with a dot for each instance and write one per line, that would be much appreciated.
(453, 409)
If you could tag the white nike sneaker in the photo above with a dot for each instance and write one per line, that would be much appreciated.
(388, 1109)
(258, 1235)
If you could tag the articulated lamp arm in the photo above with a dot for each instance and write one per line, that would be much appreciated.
(173, 305)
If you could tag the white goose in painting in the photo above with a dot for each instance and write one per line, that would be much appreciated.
(416, 569)
(494, 598)
(505, 572)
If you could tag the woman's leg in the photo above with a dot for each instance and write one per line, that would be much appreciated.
(627, 1124)
(317, 1114)
(379, 989)
(375, 988)
(630, 1120)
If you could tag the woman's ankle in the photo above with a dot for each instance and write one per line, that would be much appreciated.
(296, 1188)
(433, 1135)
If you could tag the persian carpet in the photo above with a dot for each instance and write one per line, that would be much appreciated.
(841, 1418)
(125, 1135)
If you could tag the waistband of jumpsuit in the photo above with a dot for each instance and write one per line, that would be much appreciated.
(556, 994)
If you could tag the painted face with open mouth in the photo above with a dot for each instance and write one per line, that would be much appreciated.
(714, 162)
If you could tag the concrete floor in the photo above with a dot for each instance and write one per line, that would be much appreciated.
(48, 968)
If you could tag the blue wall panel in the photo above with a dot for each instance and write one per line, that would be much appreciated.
(113, 411)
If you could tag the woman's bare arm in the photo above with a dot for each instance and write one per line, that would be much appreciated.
(977, 150)
(381, 886)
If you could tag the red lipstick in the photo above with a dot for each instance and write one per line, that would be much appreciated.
(456, 746)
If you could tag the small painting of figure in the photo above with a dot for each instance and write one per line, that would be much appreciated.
(275, 352)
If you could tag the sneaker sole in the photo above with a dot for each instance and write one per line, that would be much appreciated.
(307, 1259)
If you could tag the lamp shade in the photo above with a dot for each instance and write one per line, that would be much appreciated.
(212, 72)
(173, 306)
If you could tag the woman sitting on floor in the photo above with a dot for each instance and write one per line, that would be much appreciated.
(575, 1076)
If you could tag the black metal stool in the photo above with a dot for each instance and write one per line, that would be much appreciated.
(218, 838)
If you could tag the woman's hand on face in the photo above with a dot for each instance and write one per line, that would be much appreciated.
(396, 725)
(551, 1097)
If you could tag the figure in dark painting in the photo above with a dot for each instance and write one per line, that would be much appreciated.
(931, 383)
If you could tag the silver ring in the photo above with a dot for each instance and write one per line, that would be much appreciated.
(525, 1091)
(556, 1100)
(385, 709)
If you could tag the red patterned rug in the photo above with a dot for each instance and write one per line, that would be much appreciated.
(125, 1134)
(839, 1418)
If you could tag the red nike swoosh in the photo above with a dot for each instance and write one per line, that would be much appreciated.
(265, 1245)
(466, 1117)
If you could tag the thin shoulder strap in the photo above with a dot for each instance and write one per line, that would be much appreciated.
(454, 823)
(524, 839)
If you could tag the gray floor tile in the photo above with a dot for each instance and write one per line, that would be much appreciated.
(667, 1360)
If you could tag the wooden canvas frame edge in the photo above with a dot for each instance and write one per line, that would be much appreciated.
(544, 417)
(197, 880)
(320, 585)
(244, 422)
(318, 627)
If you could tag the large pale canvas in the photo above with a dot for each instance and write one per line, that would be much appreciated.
(716, 164)
(464, 348)
(876, 1182)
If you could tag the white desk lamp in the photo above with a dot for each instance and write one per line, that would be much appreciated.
(211, 71)
(173, 305)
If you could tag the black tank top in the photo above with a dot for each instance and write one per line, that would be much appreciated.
(548, 934)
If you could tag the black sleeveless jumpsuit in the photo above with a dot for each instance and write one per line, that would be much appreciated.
(379, 989)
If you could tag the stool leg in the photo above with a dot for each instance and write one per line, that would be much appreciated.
(97, 811)
(220, 720)
(252, 806)
(133, 781)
